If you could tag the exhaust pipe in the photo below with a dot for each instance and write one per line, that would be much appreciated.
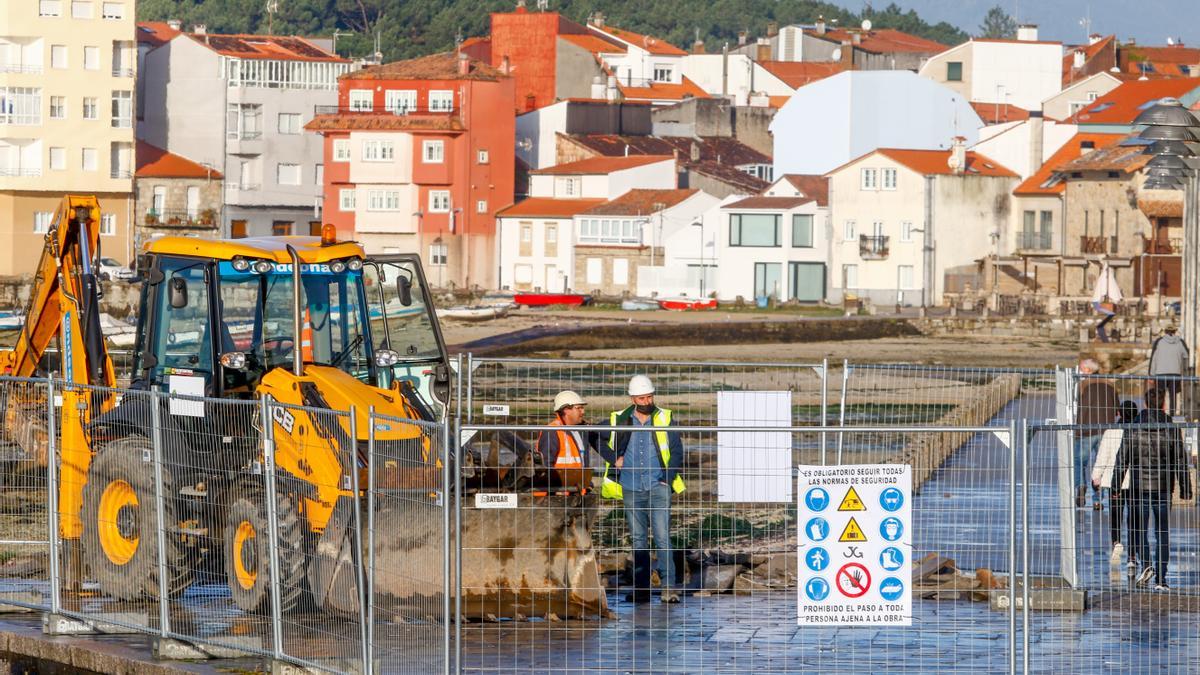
(297, 324)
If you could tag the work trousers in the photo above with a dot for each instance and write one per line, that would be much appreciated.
(1143, 507)
(646, 511)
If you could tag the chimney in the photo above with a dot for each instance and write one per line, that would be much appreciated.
(820, 25)
(698, 47)
(598, 88)
(772, 28)
(200, 29)
(856, 37)
(597, 19)
(520, 5)
(695, 152)
(611, 93)
(1027, 32)
(1094, 38)
(764, 50)
(743, 36)
(847, 50)
(464, 65)
(1036, 140)
(958, 155)
(175, 24)
(1085, 147)
(1080, 59)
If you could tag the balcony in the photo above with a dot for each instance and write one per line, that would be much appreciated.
(122, 72)
(121, 174)
(1093, 245)
(1033, 241)
(12, 172)
(182, 219)
(21, 68)
(399, 111)
(872, 247)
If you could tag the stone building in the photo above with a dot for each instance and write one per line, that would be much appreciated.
(174, 196)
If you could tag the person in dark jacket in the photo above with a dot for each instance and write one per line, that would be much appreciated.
(1156, 461)
(1168, 362)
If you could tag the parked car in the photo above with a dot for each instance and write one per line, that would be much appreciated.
(111, 269)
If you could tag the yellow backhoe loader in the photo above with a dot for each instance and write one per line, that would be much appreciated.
(316, 325)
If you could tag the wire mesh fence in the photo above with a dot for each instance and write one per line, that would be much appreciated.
(25, 523)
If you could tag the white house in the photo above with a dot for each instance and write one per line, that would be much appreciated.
(736, 77)
(831, 121)
(1079, 95)
(901, 218)
(1021, 72)
(1025, 145)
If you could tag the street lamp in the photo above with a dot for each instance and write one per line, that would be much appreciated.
(703, 269)
(1174, 133)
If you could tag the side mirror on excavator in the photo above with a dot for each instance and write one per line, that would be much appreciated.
(179, 293)
(404, 288)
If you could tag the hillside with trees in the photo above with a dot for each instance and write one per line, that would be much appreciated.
(407, 28)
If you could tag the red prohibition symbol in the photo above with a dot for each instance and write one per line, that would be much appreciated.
(853, 580)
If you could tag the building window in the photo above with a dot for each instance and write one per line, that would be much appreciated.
(663, 73)
(41, 222)
(906, 230)
(889, 179)
(91, 58)
(122, 109)
(904, 277)
(610, 231)
(439, 201)
(244, 121)
(566, 187)
(379, 151)
(58, 107)
(319, 174)
(441, 100)
(281, 228)
(361, 100)
(346, 199)
(483, 157)
(383, 200)
(112, 10)
(50, 8)
(768, 279)
(802, 230)
(58, 56)
(341, 150)
(90, 108)
(759, 171)
(433, 152)
(551, 234)
(20, 106)
(91, 159)
(849, 276)
(438, 254)
(870, 179)
(400, 101)
(82, 9)
(158, 200)
(108, 224)
(526, 234)
(595, 271)
(954, 71)
(287, 174)
(754, 229)
(481, 206)
(620, 271)
(849, 231)
(58, 159)
(289, 123)
(192, 202)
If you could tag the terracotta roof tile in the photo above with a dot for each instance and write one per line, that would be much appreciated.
(601, 165)
(883, 40)
(664, 91)
(796, 74)
(352, 121)
(1126, 158)
(275, 47)
(1044, 181)
(542, 207)
(1089, 52)
(442, 66)
(779, 203)
(650, 44)
(935, 162)
(811, 186)
(154, 162)
(1123, 104)
(155, 33)
(641, 202)
(729, 175)
(1169, 205)
(994, 113)
(595, 44)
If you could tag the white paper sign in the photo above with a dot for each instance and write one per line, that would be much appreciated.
(855, 545)
(186, 385)
(754, 466)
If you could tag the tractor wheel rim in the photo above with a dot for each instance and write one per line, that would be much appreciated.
(117, 522)
(245, 555)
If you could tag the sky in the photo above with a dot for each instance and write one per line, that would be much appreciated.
(1148, 21)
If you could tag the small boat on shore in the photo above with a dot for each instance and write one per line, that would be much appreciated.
(477, 313)
(548, 299)
(11, 320)
(639, 304)
(687, 304)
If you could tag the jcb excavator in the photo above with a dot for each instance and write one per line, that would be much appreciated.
(315, 324)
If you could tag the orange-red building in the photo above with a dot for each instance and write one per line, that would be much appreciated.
(419, 157)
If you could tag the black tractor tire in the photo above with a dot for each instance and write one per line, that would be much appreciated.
(248, 553)
(120, 523)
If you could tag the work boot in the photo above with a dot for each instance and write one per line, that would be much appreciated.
(670, 596)
(1144, 578)
(641, 576)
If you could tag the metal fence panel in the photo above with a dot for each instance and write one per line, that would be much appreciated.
(26, 524)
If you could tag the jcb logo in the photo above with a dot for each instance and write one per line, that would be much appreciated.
(283, 418)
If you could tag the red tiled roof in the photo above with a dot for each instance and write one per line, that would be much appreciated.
(275, 47)
(650, 44)
(155, 33)
(662, 91)
(883, 40)
(778, 102)
(728, 174)
(1123, 104)
(1040, 182)
(779, 203)
(472, 41)
(355, 121)
(998, 113)
(796, 74)
(721, 149)
(935, 162)
(1089, 52)
(1127, 158)
(1169, 206)
(542, 207)
(641, 202)
(811, 186)
(601, 165)
(594, 43)
(154, 162)
(442, 66)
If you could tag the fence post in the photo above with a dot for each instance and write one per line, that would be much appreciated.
(458, 497)
(1025, 545)
(268, 445)
(824, 405)
(445, 504)
(842, 408)
(1012, 547)
(371, 535)
(164, 598)
(352, 459)
(470, 389)
(52, 495)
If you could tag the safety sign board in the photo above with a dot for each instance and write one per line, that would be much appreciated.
(855, 545)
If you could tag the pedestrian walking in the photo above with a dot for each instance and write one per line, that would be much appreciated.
(642, 468)
(565, 453)
(1156, 463)
(1098, 407)
(1168, 363)
(1108, 458)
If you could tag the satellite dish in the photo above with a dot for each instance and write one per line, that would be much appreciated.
(837, 54)
(866, 24)
(1170, 42)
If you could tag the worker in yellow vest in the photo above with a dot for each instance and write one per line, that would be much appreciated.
(642, 468)
(565, 453)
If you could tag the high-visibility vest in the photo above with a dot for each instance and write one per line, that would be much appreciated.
(568, 451)
(611, 489)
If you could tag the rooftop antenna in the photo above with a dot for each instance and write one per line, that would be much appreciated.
(458, 39)
(543, 5)
(272, 7)
(1086, 22)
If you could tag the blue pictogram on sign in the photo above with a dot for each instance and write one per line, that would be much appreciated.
(891, 528)
(891, 589)
(891, 559)
(817, 589)
(891, 499)
(817, 559)
(816, 528)
(816, 499)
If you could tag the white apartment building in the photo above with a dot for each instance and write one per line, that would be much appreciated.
(1021, 72)
(239, 104)
(67, 77)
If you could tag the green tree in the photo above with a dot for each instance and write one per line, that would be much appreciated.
(998, 24)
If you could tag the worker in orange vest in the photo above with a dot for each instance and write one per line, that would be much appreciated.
(565, 453)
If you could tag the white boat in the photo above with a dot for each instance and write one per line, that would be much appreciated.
(118, 332)
(11, 320)
(477, 313)
(638, 304)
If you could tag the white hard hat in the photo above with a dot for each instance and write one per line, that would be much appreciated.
(640, 385)
(567, 398)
